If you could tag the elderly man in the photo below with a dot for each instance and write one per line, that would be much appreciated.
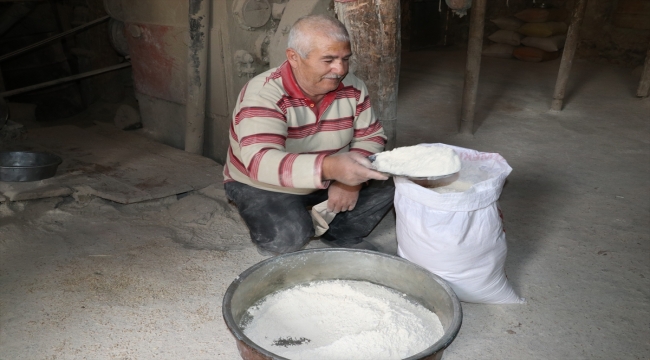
(300, 135)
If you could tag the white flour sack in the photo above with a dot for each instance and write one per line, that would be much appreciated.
(458, 235)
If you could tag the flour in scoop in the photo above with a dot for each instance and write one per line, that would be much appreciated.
(418, 161)
(341, 319)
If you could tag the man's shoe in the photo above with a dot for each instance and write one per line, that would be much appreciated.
(362, 245)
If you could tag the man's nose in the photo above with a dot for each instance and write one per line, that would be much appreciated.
(338, 67)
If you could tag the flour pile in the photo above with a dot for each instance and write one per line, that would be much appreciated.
(341, 319)
(457, 186)
(418, 161)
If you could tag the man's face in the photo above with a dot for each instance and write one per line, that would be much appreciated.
(323, 69)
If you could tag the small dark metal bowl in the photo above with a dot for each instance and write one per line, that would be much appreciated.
(27, 165)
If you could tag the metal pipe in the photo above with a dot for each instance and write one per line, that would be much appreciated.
(473, 65)
(52, 38)
(567, 56)
(197, 65)
(64, 80)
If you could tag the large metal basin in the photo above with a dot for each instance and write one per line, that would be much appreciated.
(301, 267)
(27, 165)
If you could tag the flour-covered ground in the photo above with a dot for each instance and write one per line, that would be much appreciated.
(101, 280)
(89, 278)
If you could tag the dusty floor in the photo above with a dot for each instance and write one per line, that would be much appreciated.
(82, 277)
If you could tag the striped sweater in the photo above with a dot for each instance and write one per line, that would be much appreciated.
(279, 137)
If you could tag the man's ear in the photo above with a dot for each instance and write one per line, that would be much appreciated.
(292, 56)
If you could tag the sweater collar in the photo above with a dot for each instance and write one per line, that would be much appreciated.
(293, 89)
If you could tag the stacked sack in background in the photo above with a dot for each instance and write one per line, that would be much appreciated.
(506, 38)
(530, 35)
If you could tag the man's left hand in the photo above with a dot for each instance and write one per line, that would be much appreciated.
(342, 197)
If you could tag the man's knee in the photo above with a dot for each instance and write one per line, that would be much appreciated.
(277, 222)
(378, 196)
(285, 236)
(280, 227)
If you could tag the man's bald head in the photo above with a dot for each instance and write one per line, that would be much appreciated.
(303, 30)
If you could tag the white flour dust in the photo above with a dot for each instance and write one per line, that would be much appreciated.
(454, 187)
(418, 161)
(342, 319)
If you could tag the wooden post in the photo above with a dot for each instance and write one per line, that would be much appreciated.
(644, 84)
(374, 28)
(567, 56)
(473, 65)
(197, 80)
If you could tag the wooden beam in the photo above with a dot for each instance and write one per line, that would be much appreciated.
(473, 65)
(197, 68)
(644, 84)
(64, 80)
(570, 46)
(374, 28)
(52, 38)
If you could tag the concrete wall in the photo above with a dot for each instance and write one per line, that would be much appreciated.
(245, 38)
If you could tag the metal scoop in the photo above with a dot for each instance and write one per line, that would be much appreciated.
(418, 178)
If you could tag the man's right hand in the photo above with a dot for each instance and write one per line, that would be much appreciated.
(349, 168)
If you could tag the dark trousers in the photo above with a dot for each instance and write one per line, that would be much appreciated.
(281, 223)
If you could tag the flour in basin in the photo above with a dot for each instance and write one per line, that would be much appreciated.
(341, 319)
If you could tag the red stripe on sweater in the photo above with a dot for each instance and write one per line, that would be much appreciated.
(238, 164)
(377, 139)
(254, 166)
(286, 167)
(348, 92)
(288, 102)
(242, 92)
(361, 107)
(274, 75)
(325, 152)
(262, 139)
(226, 171)
(249, 112)
(300, 132)
(359, 133)
(233, 134)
